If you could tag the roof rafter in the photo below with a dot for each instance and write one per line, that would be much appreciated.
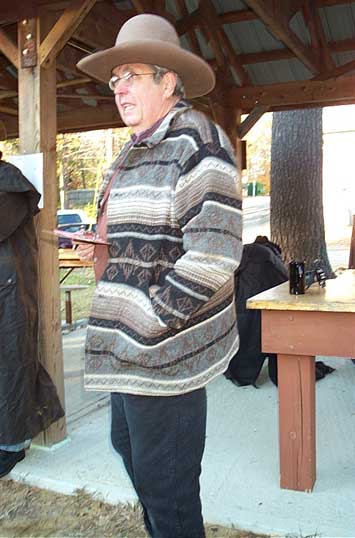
(345, 45)
(318, 38)
(8, 47)
(99, 28)
(339, 71)
(63, 30)
(211, 16)
(9, 110)
(243, 15)
(191, 36)
(276, 21)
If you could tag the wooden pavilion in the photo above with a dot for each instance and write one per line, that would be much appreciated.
(268, 55)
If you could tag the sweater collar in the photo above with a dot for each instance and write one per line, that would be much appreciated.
(155, 134)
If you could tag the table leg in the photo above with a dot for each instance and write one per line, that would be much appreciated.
(296, 383)
(68, 308)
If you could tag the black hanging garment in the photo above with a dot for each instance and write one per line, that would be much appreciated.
(261, 268)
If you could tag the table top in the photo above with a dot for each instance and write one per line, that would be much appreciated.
(73, 287)
(337, 296)
(68, 259)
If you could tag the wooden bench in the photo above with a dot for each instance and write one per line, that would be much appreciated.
(68, 301)
(68, 259)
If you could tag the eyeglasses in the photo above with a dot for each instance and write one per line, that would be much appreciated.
(128, 78)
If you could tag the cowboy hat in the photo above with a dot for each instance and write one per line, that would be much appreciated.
(150, 39)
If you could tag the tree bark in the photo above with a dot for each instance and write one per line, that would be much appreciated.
(296, 194)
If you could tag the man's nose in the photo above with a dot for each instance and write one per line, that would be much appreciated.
(121, 87)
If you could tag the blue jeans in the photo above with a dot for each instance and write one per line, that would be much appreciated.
(161, 440)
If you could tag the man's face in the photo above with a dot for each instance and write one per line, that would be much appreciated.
(140, 100)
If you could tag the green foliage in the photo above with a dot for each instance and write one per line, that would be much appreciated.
(258, 155)
(82, 159)
(90, 210)
(10, 147)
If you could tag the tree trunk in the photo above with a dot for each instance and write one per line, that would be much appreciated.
(296, 194)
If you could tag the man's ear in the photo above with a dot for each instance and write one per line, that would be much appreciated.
(169, 83)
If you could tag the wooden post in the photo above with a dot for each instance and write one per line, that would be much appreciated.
(352, 247)
(296, 385)
(38, 129)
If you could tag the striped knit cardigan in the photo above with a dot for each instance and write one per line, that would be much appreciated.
(163, 320)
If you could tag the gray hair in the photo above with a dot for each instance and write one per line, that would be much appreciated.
(159, 72)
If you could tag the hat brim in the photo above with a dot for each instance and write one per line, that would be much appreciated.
(197, 76)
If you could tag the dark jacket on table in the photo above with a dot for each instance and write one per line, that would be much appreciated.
(28, 398)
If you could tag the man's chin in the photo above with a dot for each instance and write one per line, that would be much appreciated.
(128, 120)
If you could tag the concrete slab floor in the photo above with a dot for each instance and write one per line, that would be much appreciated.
(240, 477)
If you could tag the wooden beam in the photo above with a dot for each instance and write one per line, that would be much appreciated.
(290, 7)
(4, 94)
(314, 104)
(37, 128)
(290, 94)
(191, 36)
(330, 3)
(345, 45)
(67, 60)
(73, 82)
(99, 28)
(64, 84)
(231, 17)
(63, 30)
(7, 80)
(17, 10)
(209, 33)
(211, 18)
(8, 48)
(3, 131)
(9, 127)
(189, 21)
(318, 39)
(103, 117)
(243, 15)
(96, 96)
(249, 122)
(337, 71)
(8, 110)
(274, 55)
(275, 21)
(142, 6)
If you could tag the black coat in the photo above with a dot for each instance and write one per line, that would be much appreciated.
(261, 268)
(28, 398)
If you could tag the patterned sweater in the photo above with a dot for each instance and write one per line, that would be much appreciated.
(163, 319)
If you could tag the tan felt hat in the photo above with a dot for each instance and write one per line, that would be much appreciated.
(150, 39)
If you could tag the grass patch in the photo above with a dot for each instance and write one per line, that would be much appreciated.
(81, 299)
(30, 512)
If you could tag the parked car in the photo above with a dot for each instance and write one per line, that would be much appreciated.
(72, 220)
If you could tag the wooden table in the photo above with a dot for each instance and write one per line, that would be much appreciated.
(68, 259)
(297, 328)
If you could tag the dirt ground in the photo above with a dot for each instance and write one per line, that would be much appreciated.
(30, 512)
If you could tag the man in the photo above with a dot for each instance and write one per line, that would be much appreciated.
(28, 399)
(163, 319)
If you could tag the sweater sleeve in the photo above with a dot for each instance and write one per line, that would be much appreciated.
(208, 210)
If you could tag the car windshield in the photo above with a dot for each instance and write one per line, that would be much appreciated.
(71, 218)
